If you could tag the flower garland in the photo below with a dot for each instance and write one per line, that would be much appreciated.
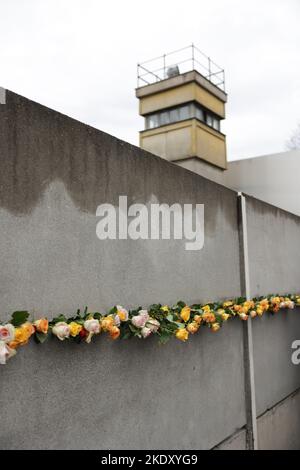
(180, 321)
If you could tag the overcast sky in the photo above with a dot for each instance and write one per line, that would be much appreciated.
(79, 57)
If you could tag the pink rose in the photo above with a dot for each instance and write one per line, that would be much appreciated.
(5, 352)
(7, 333)
(140, 320)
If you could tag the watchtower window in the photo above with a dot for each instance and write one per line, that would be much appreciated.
(182, 113)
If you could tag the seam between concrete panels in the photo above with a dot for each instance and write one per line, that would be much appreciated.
(279, 403)
(269, 410)
(2, 95)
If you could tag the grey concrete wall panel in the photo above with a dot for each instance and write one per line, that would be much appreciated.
(55, 171)
(279, 428)
(124, 395)
(274, 254)
(276, 376)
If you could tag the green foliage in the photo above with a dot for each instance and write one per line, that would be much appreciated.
(40, 337)
(18, 318)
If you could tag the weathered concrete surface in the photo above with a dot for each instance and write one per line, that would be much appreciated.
(235, 442)
(121, 395)
(279, 428)
(55, 171)
(274, 255)
(276, 376)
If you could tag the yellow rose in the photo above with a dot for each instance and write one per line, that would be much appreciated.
(165, 308)
(185, 313)
(107, 323)
(192, 327)
(229, 303)
(122, 313)
(245, 309)
(264, 304)
(215, 327)
(259, 311)
(206, 308)
(182, 334)
(22, 334)
(75, 328)
(225, 316)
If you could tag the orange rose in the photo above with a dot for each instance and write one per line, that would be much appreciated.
(198, 319)
(192, 327)
(42, 325)
(114, 332)
(209, 317)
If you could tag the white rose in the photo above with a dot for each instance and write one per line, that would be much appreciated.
(144, 313)
(92, 326)
(153, 325)
(7, 333)
(61, 330)
(5, 352)
(145, 332)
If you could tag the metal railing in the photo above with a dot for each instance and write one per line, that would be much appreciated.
(186, 59)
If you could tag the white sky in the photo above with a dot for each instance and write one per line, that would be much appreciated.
(79, 57)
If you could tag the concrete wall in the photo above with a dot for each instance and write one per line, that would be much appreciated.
(278, 428)
(271, 178)
(54, 173)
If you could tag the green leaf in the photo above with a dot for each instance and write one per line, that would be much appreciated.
(113, 311)
(163, 339)
(18, 318)
(40, 337)
(180, 325)
(126, 335)
(170, 318)
(59, 319)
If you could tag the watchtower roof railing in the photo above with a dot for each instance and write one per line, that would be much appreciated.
(177, 62)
